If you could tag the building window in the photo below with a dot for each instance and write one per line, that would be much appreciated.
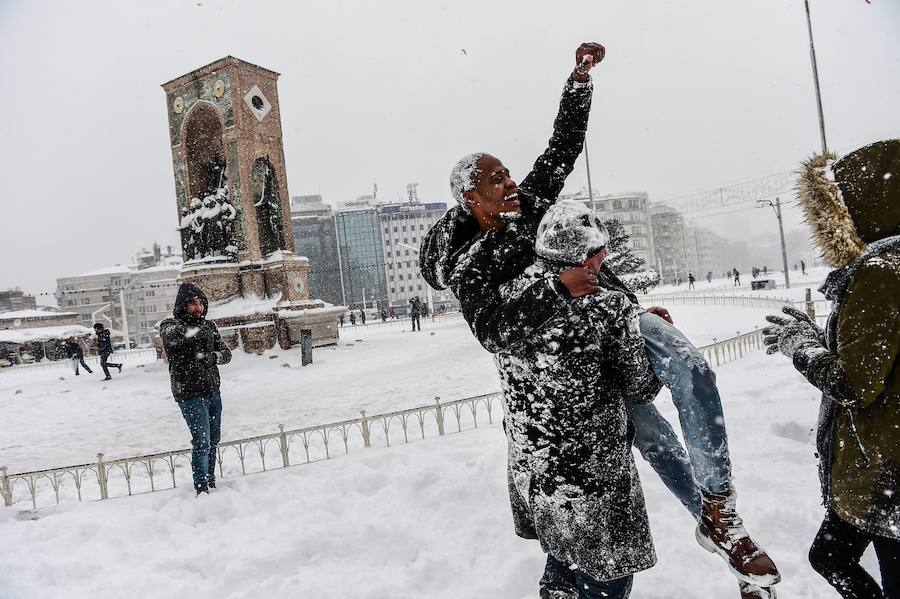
(403, 228)
(407, 252)
(388, 254)
(400, 277)
(421, 227)
(402, 288)
(395, 229)
(393, 290)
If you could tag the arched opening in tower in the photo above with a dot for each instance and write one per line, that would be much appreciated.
(205, 151)
(268, 206)
(208, 219)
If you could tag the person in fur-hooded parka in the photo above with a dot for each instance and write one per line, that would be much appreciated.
(853, 206)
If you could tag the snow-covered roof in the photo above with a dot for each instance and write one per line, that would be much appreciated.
(33, 314)
(242, 306)
(43, 333)
(170, 263)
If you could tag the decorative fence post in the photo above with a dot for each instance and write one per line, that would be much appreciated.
(4, 487)
(439, 414)
(715, 348)
(282, 438)
(101, 477)
(367, 439)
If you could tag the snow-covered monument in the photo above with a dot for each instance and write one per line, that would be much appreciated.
(233, 207)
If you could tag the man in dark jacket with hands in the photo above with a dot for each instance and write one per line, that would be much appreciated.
(195, 349)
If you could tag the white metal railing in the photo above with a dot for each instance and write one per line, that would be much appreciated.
(125, 355)
(122, 477)
(720, 300)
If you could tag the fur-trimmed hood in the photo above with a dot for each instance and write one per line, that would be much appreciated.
(853, 201)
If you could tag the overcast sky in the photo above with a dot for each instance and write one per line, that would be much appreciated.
(692, 95)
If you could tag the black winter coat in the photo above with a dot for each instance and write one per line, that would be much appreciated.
(194, 348)
(73, 350)
(573, 482)
(104, 345)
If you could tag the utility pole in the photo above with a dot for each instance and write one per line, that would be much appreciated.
(815, 69)
(784, 263)
(587, 163)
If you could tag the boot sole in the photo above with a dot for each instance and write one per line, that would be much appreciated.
(758, 592)
(760, 581)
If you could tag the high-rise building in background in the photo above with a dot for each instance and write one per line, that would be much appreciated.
(150, 287)
(669, 243)
(360, 252)
(402, 227)
(632, 210)
(315, 236)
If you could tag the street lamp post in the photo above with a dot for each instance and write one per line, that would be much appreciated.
(815, 70)
(587, 164)
(784, 263)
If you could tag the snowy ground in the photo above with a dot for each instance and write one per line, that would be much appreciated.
(52, 418)
(429, 519)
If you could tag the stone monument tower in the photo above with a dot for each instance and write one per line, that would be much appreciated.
(233, 204)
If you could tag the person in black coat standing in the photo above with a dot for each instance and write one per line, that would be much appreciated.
(415, 312)
(76, 354)
(105, 349)
(195, 349)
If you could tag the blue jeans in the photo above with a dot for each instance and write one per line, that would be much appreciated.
(558, 576)
(203, 416)
(681, 367)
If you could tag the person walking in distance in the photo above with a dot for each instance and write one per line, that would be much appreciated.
(76, 354)
(105, 349)
(737, 277)
(803, 267)
(691, 280)
(415, 312)
(195, 350)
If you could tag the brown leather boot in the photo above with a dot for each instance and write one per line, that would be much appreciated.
(721, 531)
(751, 591)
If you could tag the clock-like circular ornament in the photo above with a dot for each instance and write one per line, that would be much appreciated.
(297, 284)
(178, 105)
(219, 88)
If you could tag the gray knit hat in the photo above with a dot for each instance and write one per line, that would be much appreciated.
(570, 233)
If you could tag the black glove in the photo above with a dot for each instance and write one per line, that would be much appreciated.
(787, 335)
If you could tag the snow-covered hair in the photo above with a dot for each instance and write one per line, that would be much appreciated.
(463, 177)
(570, 233)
